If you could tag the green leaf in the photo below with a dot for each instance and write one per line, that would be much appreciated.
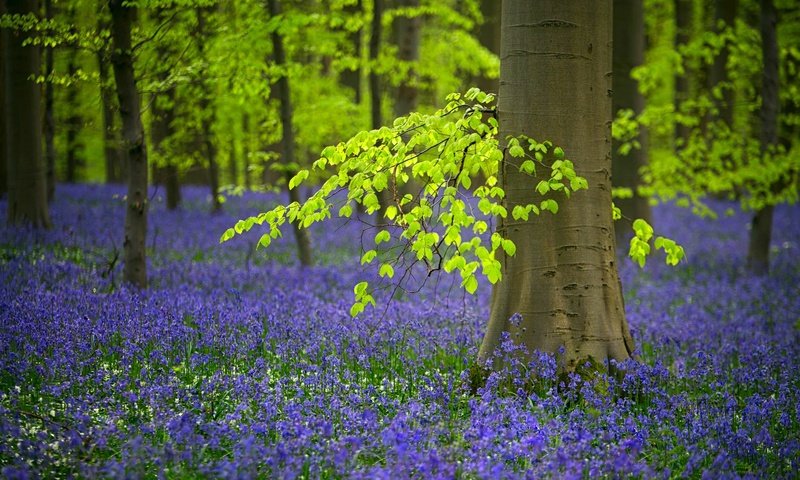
(516, 151)
(299, 177)
(509, 247)
(386, 271)
(470, 284)
(265, 240)
(356, 308)
(227, 235)
(558, 153)
(382, 236)
(346, 210)
(643, 229)
(360, 288)
(528, 167)
(543, 187)
(550, 205)
(368, 256)
(519, 213)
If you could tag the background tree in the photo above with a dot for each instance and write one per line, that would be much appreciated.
(630, 157)
(114, 166)
(287, 139)
(761, 226)
(49, 113)
(27, 184)
(135, 266)
(3, 106)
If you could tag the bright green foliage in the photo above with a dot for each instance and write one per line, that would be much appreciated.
(453, 157)
(717, 159)
(640, 245)
(447, 154)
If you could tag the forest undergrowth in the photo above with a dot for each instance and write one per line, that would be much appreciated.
(237, 363)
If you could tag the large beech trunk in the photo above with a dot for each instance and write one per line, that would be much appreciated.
(27, 185)
(287, 141)
(761, 231)
(555, 82)
(628, 53)
(135, 268)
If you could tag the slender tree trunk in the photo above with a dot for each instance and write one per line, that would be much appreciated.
(375, 94)
(351, 78)
(161, 129)
(207, 112)
(246, 151)
(374, 77)
(111, 144)
(683, 25)
(49, 115)
(287, 141)
(233, 162)
(135, 268)
(761, 227)
(489, 35)
(724, 11)
(162, 126)
(628, 52)
(73, 121)
(3, 135)
(407, 33)
(555, 79)
(27, 183)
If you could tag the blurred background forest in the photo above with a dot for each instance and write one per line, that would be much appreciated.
(687, 89)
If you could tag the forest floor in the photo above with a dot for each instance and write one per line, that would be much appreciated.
(237, 363)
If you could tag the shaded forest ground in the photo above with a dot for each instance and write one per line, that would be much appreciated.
(238, 363)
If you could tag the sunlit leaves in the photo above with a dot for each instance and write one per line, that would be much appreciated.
(451, 155)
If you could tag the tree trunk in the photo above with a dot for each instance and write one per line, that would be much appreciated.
(725, 11)
(207, 112)
(287, 140)
(683, 25)
(374, 78)
(246, 150)
(3, 135)
(162, 129)
(233, 162)
(375, 94)
(489, 35)
(73, 120)
(555, 80)
(761, 227)
(27, 183)
(49, 115)
(628, 52)
(135, 269)
(111, 150)
(351, 78)
(407, 35)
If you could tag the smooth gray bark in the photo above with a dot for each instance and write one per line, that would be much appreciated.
(555, 77)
